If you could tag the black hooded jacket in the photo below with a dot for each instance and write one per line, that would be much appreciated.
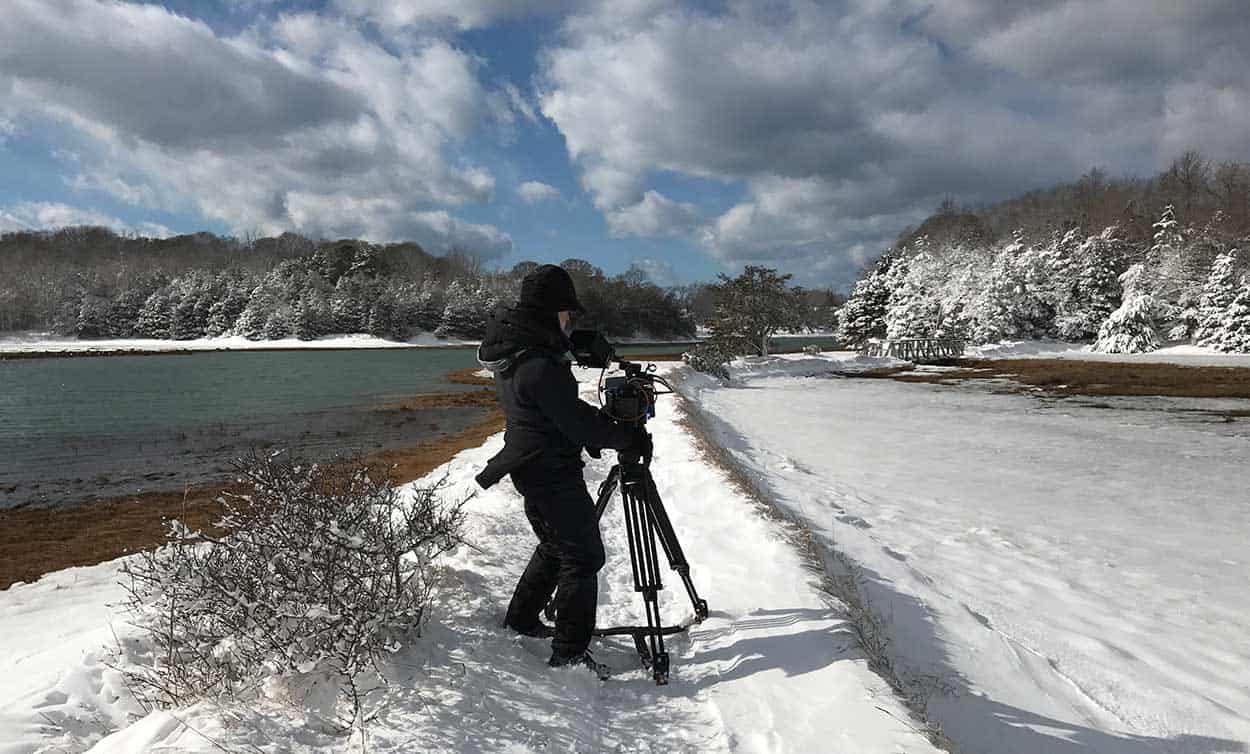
(547, 424)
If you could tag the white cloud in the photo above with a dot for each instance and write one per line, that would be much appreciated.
(458, 14)
(52, 215)
(845, 122)
(654, 215)
(533, 192)
(520, 103)
(250, 129)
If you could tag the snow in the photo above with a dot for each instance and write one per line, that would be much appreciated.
(1184, 355)
(1054, 575)
(775, 668)
(48, 343)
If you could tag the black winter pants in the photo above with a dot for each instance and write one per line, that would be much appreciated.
(567, 559)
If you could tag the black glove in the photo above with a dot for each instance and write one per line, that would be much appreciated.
(594, 452)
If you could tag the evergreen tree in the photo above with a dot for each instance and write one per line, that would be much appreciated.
(155, 316)
(93, 319)
(349, 305)
(280, 324)
(1095, 291)
(1132, 328)
(465, 312)
(191, 296)
(1217, 296)
(312, 318)
(752, 307)
(913, 311)
(235, 291)
(254, 317)
(863, 315)
(128, 303)
(1235, 330)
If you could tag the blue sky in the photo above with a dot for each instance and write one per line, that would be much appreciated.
(687, 138)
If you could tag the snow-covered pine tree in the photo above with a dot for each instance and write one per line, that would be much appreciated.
(914, 311)
(1132, 328)
(465, 312)
(428, 307)
(1171, 278)
(1005, 304)
(280, 324)
(312, 317)
(1235, 332)
(863, 315)
(234, 290)
(93, 317)
(155, 316)
(349, 305)
(1217, 296)
(1095, 291)
(251, 321)
(191, 295)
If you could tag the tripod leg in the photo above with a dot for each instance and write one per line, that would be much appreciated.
(672, 548)
(640, 529)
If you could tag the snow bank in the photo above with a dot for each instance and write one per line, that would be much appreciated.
(1059, 577)
(775, 668)
(1184, 355)
(47, 343)
(845, 363)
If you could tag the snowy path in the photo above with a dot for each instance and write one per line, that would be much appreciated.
(774, 669)
(1057, 576)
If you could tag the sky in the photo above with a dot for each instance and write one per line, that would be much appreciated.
(685, 138)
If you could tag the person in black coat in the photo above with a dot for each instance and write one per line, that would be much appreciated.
(526, 347)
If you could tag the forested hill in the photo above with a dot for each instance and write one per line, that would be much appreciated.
(93, 283)
(1130, 265)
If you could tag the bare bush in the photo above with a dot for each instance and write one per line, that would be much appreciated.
(321, 570)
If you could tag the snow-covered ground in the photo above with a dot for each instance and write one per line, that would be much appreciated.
(1185, 355)
(775, 668)
(1055, 575)
(48, 343)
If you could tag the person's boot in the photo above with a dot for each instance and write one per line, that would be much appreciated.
(584, 659)
(539, 630)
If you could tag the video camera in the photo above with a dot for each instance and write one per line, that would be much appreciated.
(628, 398)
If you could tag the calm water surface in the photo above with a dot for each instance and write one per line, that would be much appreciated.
(103, 425)
(81, 427)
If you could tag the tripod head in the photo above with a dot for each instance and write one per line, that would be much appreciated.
(628, 398)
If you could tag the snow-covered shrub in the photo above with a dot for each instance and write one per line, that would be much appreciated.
(708, 358)
(319, 572)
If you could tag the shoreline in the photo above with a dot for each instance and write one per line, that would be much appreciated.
(36, 540)
(74, 353)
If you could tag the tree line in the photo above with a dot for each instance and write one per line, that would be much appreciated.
(1081, 262)
(93, 283)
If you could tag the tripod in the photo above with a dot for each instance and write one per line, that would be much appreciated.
(645, 519)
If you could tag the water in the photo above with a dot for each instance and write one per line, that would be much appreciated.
(102, 426)
(72, 428)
